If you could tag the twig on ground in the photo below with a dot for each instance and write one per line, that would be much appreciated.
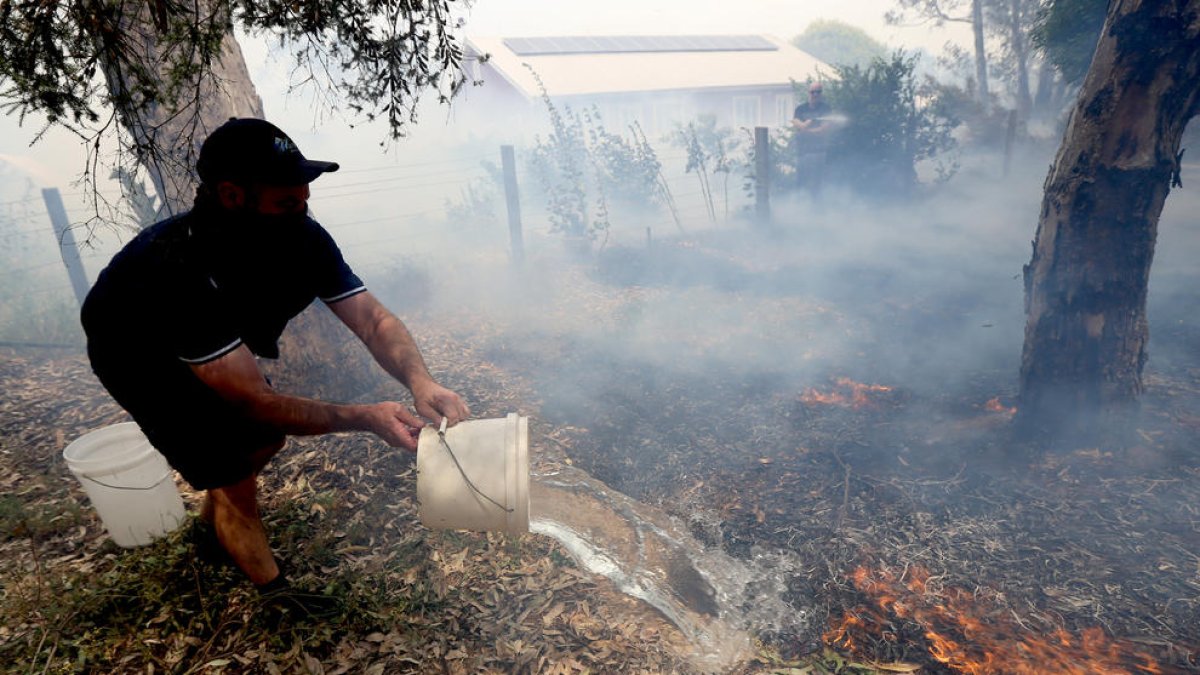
(37, 651)
(841, 517)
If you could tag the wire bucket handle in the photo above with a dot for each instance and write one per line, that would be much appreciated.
(125, 487)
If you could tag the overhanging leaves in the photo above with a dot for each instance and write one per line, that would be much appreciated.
(376, 57)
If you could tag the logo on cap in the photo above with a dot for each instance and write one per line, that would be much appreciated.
(248, 149)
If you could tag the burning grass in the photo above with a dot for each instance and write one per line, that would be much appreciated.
(846, 393)
(970, 634)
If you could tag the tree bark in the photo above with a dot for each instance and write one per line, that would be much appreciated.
(980, 52)
(318, 355)
(1043, 98)
(1086, 284)
(167, 128)
(1020, 51)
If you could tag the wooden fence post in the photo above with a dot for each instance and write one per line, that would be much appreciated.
(512, 198)
(762, 175)
(66, 242)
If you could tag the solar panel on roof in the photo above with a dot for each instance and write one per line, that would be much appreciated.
(619, 44)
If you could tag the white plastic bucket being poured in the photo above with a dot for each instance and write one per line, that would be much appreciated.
(128, 482)
(475, 475)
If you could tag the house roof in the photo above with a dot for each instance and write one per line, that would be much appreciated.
(581, 65)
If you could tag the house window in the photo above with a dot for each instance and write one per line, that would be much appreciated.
(785, 107)
(746, 110)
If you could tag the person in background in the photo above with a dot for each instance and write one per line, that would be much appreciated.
(813, 127)
(176, 320)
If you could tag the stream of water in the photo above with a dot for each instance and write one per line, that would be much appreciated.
(718, 602)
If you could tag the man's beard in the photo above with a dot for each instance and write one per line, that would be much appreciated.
(249, 237)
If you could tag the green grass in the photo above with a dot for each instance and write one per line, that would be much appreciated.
(161, 606)
(38, 520)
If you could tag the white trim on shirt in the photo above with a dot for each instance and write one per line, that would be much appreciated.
(217, 354)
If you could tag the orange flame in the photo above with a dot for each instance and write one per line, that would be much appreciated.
(846, 393)
(994, 405)
(970, 635)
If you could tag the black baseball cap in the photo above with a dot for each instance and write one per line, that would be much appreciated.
(248, 150)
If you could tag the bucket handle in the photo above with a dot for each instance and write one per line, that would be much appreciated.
(442, 437)
(125, 487)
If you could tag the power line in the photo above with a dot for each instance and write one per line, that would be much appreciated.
(410, 186)
(406, 236)
(31, 268)
(25, 233)
(335, 185)
(415, 164)
(399, 216)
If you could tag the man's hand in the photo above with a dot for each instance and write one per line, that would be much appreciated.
(393, 347)
(394, 423)
(433, 402)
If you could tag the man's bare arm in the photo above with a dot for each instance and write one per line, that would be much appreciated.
(236, 377)
(393, 347)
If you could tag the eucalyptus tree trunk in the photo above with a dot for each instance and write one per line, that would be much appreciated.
(1044, 95)
(1020, 49)
(167, 128)
(1086, 284)
(168, 121)
(980, 52)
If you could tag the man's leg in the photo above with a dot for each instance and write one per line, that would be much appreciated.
(232, 510)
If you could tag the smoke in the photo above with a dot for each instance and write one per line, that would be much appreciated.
(920, 293)
(733, 321)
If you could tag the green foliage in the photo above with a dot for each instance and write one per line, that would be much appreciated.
(627, 166)
(936, 12)
(710, 152)
(582, 166)
(888, 127)
(838, 43)
(166, 607)
(21, 519)
(1066, 33)
(560, 162)
(379, 55)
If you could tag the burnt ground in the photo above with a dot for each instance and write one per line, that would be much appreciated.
(1069, 537)
(731, 421)
(928, 539)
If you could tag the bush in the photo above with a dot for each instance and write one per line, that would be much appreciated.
(887, 129)
(582, 166)
(889, 125)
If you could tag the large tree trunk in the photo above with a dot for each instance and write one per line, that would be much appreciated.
(1043, 98)
(1085, 287)
(319, 357)
(980, 52)
(167, 129)
(1020, 51)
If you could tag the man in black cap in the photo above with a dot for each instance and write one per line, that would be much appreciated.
(175, 321)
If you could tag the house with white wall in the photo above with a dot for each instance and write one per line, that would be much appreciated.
(656, 81)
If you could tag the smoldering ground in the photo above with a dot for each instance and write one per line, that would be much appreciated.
(713, 373)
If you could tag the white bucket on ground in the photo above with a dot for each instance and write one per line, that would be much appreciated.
(487, 489)
(128, 482)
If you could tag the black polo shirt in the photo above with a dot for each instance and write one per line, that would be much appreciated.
(193, 288)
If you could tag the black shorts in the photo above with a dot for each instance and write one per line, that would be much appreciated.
(204, 437)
